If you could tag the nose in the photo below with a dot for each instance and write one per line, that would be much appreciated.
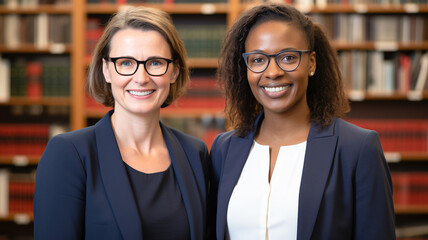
(273, 70)
(141, 76)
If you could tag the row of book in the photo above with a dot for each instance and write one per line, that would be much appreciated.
(384, 72)
(375, 28)
(34, 79)
(16, 192)
(40, 30)
(410, 188)
(398, 135)
(23, 139)
(200, 41)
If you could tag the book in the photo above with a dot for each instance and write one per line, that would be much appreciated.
(4, 80)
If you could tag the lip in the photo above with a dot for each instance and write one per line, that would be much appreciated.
(140, 93)
(277, 90)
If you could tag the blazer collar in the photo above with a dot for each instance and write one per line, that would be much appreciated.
(118, 187)
(321, 145)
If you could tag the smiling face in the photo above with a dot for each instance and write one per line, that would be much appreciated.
(139, 93)
(276, 90)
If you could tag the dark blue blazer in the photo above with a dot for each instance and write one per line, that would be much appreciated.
(345, 192)
(83, 191)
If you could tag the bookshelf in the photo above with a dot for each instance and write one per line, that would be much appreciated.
(74, 110)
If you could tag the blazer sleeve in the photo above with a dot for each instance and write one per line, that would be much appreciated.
(59, 199)
(374, 209)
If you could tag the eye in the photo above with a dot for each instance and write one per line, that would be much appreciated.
(125, 62)
(256, 59)
(289, 57)
(155, 63)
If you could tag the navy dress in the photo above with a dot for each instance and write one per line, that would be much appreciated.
(154, 193)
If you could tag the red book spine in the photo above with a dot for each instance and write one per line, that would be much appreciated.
(34, 80)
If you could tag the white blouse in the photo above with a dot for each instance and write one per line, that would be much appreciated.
(262, 210)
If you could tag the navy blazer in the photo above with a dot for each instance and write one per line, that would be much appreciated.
(83, 191)
(345, 192)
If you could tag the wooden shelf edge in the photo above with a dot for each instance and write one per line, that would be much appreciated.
(43, 8)
(45, 101)
(395, 157)
(178, 8)
(203, 62)
(359, 96)
(355, 8)
(59, 48)
(19, 160)
(379, 46)
(411, 209)
(167, 112)
(19, 218)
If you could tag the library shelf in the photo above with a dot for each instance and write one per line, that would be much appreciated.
(47, 8)
(393, 157)
(18, 218)
(44, 101)
(166, 112)
(379, 46)
(203, 62)
(411, 209)
(19, 160)
(59, 48)
(358, 96)
(408, 8)
(179, 8)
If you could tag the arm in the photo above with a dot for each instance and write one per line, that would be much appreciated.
(374, 209)
(59, 199)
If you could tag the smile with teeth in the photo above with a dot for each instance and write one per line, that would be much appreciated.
(276, 89)
(141, 93)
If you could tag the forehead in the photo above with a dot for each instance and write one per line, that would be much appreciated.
(137, 43)
(275, 35)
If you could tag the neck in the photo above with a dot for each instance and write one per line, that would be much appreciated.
(136, 130)
(284, 128)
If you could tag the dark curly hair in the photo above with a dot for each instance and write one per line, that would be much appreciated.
(325, 93)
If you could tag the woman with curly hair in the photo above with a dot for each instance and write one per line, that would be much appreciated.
(291, 168)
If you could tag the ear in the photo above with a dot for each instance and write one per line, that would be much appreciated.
(175, 73)
(106, 72)
(312, 63)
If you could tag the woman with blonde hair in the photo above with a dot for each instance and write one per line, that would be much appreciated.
(129, 176)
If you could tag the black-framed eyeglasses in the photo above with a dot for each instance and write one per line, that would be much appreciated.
(287, 60)
(127, 66)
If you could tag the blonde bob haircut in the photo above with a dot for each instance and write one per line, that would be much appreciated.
(144, 19)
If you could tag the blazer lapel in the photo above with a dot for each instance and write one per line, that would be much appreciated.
(187, 184)
(320, 150)
(115, 180)
(233, 165)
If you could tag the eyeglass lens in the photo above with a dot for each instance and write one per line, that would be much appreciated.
(154, 66)
(288, 61)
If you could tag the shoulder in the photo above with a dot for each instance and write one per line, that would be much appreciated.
(351, 132)
(223, 139)
(357, 141)
(69, 145)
